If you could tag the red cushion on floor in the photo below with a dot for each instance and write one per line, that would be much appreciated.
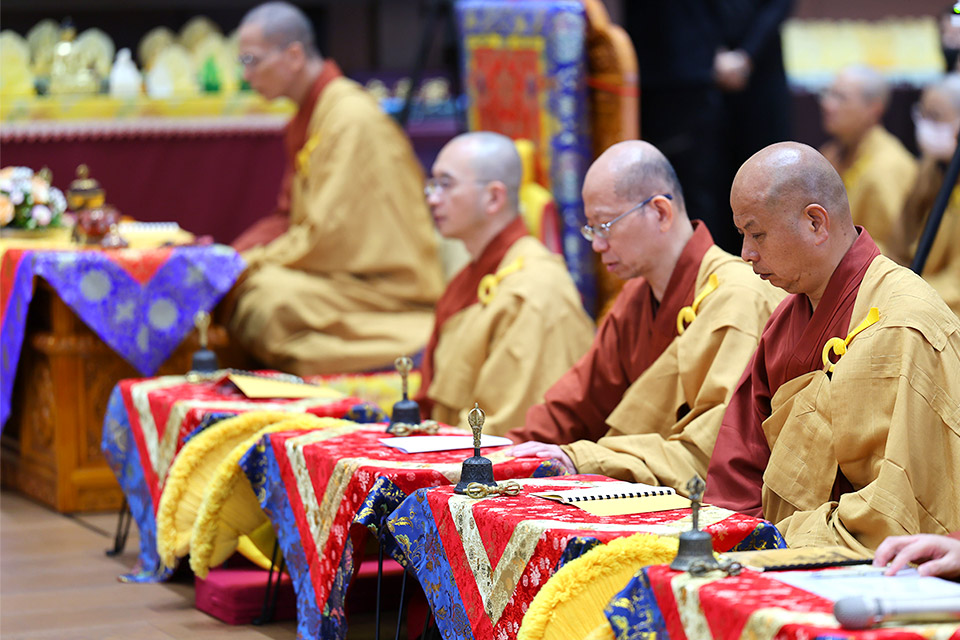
(235, 596)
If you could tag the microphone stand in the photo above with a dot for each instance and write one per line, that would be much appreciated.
(936, 214)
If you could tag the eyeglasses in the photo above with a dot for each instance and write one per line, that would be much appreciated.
(436, 186)
(602, 231)
(251, 61)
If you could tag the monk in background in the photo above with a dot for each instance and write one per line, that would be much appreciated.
(345, 277)
(511, 321)
(937, 118)
(877, 170)
(845, 428)
(644, 404)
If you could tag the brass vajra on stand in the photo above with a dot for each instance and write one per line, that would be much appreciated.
(204, 360)
(405, 417)
(477, 469)
(695, 554)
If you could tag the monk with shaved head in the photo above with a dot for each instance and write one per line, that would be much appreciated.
(343, 276)
(645, 403)
(877, 170)
(511, 322)
(845, 427)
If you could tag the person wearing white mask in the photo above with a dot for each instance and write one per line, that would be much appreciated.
(937, 119)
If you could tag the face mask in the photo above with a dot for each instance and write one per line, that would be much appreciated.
(936, 139)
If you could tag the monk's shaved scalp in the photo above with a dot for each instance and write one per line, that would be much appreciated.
(788, 176)
(640, 170)
(871, 83)
(494, 157)
(283, 24)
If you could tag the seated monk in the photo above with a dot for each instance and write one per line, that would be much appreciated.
(876, 168)
(845, 428)
(644, 404)
(347, 279)
(511, 321)
(937, 119)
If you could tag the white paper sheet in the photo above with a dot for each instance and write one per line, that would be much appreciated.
(425, 444)
(834, 584)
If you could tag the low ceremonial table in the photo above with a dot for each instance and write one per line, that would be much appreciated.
(73, 322)
(147, 423)
(481, 562)
(750, 606)
(326, 489)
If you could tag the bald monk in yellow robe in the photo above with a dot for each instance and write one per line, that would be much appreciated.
(348, 279)
(845, 428)
(511, 322)
(877, 170)
(645, 403)
(937, 126)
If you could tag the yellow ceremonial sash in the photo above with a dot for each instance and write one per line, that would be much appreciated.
(489, 283)
(689, 314)
(839, 345)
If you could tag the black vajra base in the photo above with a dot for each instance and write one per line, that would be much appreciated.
(475, 469)
(405, 411)
(696, 547)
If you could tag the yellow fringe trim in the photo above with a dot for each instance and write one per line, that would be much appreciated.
(230, 508)
(603, 632)
(571, 604)
(188, 475)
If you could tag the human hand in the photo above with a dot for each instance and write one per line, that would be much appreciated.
(731, 69)
(542, 450)
(940, 553)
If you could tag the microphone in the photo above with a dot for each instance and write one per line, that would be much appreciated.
(863, 612)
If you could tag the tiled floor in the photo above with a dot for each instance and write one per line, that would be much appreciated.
(56, 582)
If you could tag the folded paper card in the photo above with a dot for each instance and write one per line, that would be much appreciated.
(789, 559)
(426, 444)
(619, 498)
(257, 387)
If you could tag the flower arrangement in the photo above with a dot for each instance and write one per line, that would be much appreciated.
(28, 201)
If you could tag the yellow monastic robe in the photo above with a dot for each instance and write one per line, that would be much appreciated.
(878, 179)
(505, 354)
(942, 269)
(888, 419)
(351, 284)
(663, 430)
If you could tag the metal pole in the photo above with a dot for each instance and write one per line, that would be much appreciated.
(936, 214)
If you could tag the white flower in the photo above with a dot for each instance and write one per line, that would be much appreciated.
(42, 214)
(57, 201)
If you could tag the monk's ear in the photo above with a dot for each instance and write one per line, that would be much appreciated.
(665, 213)
(296, 54)
(496, 194)
(816, 222)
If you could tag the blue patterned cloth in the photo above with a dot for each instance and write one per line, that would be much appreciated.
(557, 30)
(143, 323)
(122, 455)
(634, 614)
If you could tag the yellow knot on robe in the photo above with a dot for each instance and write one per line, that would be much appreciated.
(489, 283)
(689, 314)
(839, 345)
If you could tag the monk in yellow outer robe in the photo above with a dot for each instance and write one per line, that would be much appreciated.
(511, 322)
(937, 121)
(877, 170)
(350, 281)
(645, 403)
(845, 428)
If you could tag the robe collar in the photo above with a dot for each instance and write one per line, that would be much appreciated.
(295, 132)
(461, 293)
(662, 317)
(831, 317)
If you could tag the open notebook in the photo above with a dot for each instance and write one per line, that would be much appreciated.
(619, 498)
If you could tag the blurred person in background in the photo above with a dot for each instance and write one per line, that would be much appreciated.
(877, 170)
(937, 119)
